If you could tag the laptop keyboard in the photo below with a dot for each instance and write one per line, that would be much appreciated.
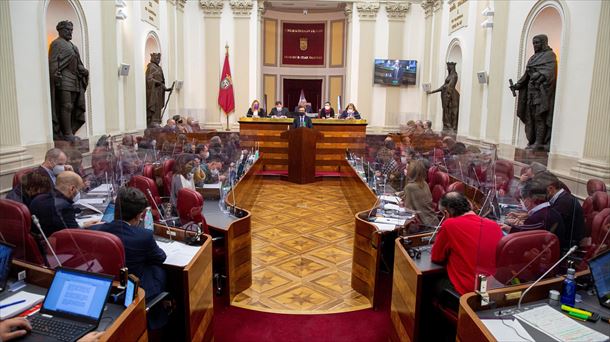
(61, 330)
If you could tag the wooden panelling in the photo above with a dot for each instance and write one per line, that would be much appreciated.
(270, 42)
(198, 296)
(406, 285)
(335, 88)
(337, 39)
(270, 89)
(330, 150)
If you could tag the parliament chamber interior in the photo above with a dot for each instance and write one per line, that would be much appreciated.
(273, 170)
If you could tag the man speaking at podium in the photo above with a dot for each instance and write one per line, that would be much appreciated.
(301, 120)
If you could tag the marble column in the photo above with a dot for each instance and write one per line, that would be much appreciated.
(11, 151)
(171, 57)
(596, 154)
(477, 89)
(212, 10)
(436, 64)
(110, 76)
(179, 50)
(129, 82)
(242, 56)
(349, 13)
(396, 12)
(367, 12)
(426, 69)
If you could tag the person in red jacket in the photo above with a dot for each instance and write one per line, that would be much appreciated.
(466, 243)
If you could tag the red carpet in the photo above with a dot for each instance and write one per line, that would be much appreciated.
(237, 325)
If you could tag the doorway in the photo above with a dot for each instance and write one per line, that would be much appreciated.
(312, 89)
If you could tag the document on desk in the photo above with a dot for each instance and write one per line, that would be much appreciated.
(507, 330)
(104, 188)
(392, 199)
(29, 300)
(178, 253)
(91, 201)
(388, 220)
(559, 326)
(212, 186)
(384, 227)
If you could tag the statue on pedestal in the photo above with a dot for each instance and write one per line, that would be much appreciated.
(69, 80)
(450, 99)
(155, 90)
(537, 94)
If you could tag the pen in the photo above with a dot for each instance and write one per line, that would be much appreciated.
(11, 304)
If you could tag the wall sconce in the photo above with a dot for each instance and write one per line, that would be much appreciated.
(488, 12)
(120, 14)
(120, 4)
(489, 23)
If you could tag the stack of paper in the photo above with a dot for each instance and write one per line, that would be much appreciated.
(26, 299)
(507, 330)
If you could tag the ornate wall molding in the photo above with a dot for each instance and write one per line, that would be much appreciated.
(260, 8)
(438, 4)
(349, 11)
(427, 5)
(241, 8)
(181, 4)
(173, 2)
(367, 10)
(397, 10)
(211, 8)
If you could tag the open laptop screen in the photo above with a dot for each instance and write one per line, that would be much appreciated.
(5, 263)
(600, 270)
(108, 213)
(78, 295)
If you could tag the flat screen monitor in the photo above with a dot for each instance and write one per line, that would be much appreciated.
(395, 72)
(6, 252)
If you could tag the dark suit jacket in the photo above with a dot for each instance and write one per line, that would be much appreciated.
(573, 217)
(546, 219)
(283, 112)
(143, 256)
(261, 113)
(54, 211)
(16, 194)
(344, 115)
(307, 109)
(322, 113)
(296, 122)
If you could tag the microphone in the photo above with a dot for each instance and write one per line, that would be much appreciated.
(436, 230)
(37, 224)
(572, 250)
(159, 210)
(373, 208)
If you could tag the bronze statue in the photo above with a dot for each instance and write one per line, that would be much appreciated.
(69, 80)
(450, 99)
(537, 94)
(155, 90)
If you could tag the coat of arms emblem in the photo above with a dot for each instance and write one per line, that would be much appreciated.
(303, 43)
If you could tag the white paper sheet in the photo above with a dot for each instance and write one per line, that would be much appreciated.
(212, 186)
(392, 199)
(384, 227)
(31, 299)
(559, 326)
(178, 253)
(388, 220)
(508, 330)
(91, 201)
(104, 188)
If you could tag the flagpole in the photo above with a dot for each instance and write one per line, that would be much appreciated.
(227, 114)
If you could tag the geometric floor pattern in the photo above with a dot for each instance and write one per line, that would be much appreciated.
(302, 241)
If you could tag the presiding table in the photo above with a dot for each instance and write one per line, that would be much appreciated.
(338, 135)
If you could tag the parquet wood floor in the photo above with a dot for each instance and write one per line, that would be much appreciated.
(302, 240)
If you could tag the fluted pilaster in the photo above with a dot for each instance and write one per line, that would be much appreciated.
(211, 8)
(597, 139)
(397, 11)
(9, 120)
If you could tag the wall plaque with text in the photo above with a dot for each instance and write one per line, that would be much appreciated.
(303, 43)
(458, 15)
(150, 12)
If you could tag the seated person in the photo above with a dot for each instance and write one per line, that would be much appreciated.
(181, 126)
(32, 184)
(55, 210)
(192, 125)
(417, 195)
(143, 257)
(305, 105)
(538, 215)
(184, 174)
(392, 173)
(278, 111)
(327, 112)
(129, 161)
(202, 152)
(465, 243)
(350, 112)
(16, 327)
(170, 126)
(212, 171)
(256, 111)
(301, 120)
(570, 210)
(428, 127)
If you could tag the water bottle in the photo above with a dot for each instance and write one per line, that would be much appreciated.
(568, 288)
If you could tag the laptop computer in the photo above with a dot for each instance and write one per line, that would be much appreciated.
(600, 271)
(108, 213)
(72, 307)
(6, 255)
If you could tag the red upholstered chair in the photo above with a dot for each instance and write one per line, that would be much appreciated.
(515, 251)
(16, 224)
(148, 187)
(17, 176)
(456, 186)
(599, 236)
(437, 193)
(439, 178)
(598, 202)
(168, 173)
(190, 204)
(505, 173)
(431, 171)
(168, 166)
(149, 171)
(89, 250)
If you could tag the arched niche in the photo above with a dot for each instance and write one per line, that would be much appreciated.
(546, 17)
(151, 45)
(59, 10)
(454, 54)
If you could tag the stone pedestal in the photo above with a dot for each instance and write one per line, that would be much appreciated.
(526, 156)
(82, 145)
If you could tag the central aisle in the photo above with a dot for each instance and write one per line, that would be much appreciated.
(302, 241)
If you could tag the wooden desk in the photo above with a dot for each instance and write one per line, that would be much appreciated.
(192, 288)
(338, 136)
(471, 328)
(235, 230)
(129, 326)
(411, 289)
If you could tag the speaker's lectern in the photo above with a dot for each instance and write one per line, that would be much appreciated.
(302, 154)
